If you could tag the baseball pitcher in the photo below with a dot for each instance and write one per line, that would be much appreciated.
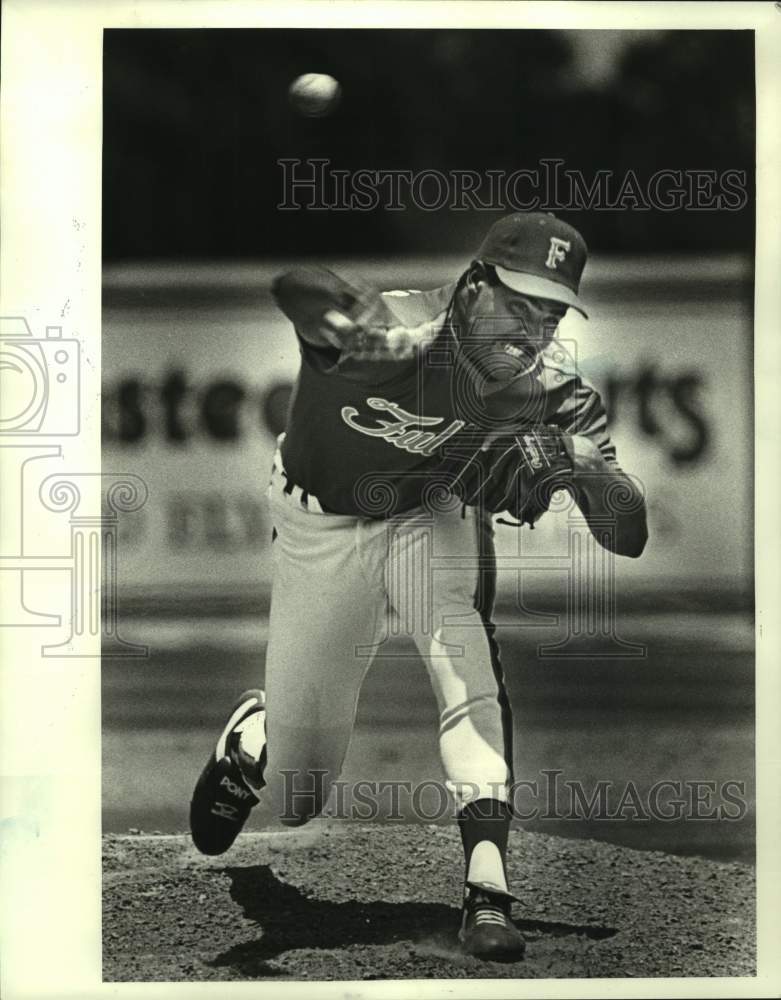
(418, 419)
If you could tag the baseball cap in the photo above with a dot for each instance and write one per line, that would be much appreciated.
(536, 254)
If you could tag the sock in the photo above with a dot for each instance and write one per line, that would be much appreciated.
(484, 826)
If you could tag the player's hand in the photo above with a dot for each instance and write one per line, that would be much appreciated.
(367, 340)
(338, 329)
(348, 315)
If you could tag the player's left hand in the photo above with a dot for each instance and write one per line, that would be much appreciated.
(516, 473)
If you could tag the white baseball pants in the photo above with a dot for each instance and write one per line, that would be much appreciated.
(337, 582)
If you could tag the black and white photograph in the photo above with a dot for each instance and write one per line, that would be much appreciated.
(415, 582)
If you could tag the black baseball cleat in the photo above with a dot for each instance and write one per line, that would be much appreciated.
(222, 799)
(487, 931)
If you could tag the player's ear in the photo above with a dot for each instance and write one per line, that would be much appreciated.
(475, 277)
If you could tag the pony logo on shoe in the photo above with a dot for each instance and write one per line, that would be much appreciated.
(215, 823)
(234, 789)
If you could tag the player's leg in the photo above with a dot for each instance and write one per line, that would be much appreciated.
(484, 823)
(325, 616)
(440, 570)
(485, 820)
(456, 639)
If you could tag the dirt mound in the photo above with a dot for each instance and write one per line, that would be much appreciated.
(344, 902)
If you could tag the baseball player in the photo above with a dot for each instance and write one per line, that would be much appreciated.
(416, 417)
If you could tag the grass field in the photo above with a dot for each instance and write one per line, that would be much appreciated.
(683, 713)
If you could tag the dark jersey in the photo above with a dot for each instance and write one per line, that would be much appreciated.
(365, 436)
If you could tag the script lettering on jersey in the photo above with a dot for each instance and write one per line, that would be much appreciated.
(404, 429)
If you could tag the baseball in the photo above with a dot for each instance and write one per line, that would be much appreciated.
(314, 94)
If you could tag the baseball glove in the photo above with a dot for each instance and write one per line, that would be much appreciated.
(515, 473)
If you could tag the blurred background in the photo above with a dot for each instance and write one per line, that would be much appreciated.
(198, 366)
(195, 122)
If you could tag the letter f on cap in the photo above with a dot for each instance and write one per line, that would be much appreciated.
(557, 251)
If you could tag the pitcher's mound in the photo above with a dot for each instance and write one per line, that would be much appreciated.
(341, 901)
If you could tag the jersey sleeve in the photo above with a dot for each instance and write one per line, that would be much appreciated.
(583, 412)
(304, 295)
(577, 407)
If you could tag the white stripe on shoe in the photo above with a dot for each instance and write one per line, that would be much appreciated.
(221, 748)
(490, 915)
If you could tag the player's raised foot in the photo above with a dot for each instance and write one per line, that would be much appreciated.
(230, 782)
(487, 931)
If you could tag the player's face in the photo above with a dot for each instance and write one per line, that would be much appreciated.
(536, 319)
(505, 324)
